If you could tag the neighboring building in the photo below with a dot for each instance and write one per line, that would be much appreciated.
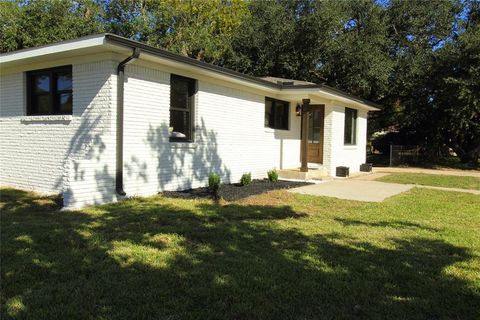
(96, 116)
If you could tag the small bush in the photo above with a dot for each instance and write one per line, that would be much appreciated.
(272, 175)
(246, 179)
(214, 182)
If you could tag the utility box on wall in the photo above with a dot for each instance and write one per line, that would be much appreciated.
(342, 171)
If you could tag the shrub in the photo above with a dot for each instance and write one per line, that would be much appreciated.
(246, 179)
(214, 182)
(272, 175)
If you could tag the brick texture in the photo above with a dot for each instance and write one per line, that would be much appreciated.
(75, 155)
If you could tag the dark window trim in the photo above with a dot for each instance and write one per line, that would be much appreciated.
(273, 100)
(54, 103)
(193, 86)
(354, 128)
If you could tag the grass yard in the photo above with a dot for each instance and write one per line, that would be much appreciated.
(271, 256)
(433, 180)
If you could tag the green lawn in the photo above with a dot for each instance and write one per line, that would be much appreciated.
(433, 180)
(273, 256)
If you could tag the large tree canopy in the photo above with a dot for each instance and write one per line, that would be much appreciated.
(30, 23)
(419, 59)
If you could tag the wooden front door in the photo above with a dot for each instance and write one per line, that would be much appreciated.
(315, 134)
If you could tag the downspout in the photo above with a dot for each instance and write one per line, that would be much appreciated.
(120, 93)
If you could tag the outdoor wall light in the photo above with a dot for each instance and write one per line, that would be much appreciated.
(298, 110)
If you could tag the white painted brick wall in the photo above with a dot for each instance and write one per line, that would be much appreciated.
(230, 137)
(32, 153)
(77, 155)
(147, 96)
(55, 154)
(336, 153)
(89, 177)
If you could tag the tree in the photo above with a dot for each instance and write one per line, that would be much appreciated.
(283, 38)
(264, 45)
(34, 23)
(141, 20)
(199, 29)
(357, 57)
(458, 89)
(419, 59)
(10, 15)
(203, 29)
(417, 29)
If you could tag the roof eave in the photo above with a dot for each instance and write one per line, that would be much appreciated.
(90, 41)
(319, 88)
(371, 106)
(99, 40)
(114, 39)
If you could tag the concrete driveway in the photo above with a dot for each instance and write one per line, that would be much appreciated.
(354, 189)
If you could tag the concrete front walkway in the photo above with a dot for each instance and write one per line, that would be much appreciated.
(354, 189)
(376, 175)
(363, 187)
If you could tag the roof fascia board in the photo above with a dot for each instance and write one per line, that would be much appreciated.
(180, 68)
(185, 63)
(368, 104)
(322, 96)
(339, 99)
(62, 61)
(190, 61)
(214, 71)
(109, 41)
(164, 65)
(69, 45)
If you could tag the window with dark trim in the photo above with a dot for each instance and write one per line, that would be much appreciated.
(182, 99)
(350, 131)
(49, 91)
(276, 113)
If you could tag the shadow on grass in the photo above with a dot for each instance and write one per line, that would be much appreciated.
(159, 259)
(385, 224)
(12, 200)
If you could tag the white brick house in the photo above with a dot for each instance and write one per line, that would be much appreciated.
(102, 116)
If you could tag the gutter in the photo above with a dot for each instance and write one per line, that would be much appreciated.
(120, 109)
(118, 40)
(334, 91)
(114, 39)
(343, 94)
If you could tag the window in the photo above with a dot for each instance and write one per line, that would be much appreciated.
(315, 123)
(350, 133)
(182, 94)
(49, 91)
(276, 114)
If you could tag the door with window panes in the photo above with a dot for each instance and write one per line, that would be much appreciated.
(315, 134)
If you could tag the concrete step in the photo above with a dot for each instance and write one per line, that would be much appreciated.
(296, 174)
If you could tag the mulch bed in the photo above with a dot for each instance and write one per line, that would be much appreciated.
(233, 192)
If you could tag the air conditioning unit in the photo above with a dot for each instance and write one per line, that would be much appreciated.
(342, 171)
(366, 167)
